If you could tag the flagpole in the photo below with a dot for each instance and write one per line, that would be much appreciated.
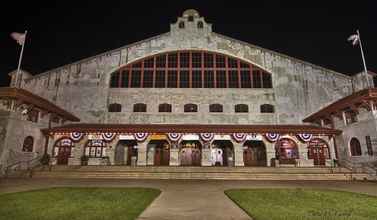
(20, 60)
(362, 56)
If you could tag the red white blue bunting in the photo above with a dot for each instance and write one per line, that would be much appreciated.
(174, 136)
(272, 137)
(140, 136)
(305, 137)
(207, 136)
(76, 136)
(108, 136)
(239, 137)
(66, 142)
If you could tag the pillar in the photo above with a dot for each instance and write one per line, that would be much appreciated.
(142, 153)
(150, 154)
(206, 155)
(270, 152)
(238, 154)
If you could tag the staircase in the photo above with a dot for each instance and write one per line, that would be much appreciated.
(202, 173)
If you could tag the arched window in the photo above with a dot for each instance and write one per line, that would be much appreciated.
(28, 144)
(215, 108)
(115, 107)
(191, 108)
(355, 147)
(164, 107)
(200, 25)
(140, 107)
(181, 25)
(267, 108)
(241, 108)
(190, 69)
(95, 148)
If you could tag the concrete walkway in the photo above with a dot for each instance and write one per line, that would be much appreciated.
(188, 199)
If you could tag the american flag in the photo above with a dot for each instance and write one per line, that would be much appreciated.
(19, 37)
(354, 38)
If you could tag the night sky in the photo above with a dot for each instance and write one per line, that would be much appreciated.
(64, 32)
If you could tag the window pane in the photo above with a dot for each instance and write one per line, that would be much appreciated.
(220, 79)
(161, 61)
(244, 65)
(148, 79)
(136, 65)
(232, 63)
(149, 63)
(125, 79)
(196, 60)
(172, 79)
(160, 79)
(196, 79)
(184, 60)
(245, 79)
(233, 79)
(172, 60)
(208, 79)
(220, 61)
(184, 79)
(135, 79)
(256, 79)
(208, 60)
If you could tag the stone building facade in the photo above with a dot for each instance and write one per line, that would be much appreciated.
(118, 95)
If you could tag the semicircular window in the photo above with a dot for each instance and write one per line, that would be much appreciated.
(190, 69)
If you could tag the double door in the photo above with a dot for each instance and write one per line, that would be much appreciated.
(63, 155)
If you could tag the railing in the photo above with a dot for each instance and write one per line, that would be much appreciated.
(26, 165)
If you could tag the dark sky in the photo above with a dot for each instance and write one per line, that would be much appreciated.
(63, 32)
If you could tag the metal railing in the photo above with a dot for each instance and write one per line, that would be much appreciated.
(25, 165)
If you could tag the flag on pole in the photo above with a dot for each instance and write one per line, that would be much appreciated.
(355, 38)
(20, 38)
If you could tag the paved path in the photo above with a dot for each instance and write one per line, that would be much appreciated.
(188, 199)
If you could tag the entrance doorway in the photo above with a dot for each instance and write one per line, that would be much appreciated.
(190, 153)
(254, 153)
(222, 153)
(318, 150)
(63, 150)
(286, 151)
(124, 151)
(161, 155)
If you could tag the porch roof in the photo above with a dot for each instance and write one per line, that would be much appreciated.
(27, 97)
(359, 99)
(190, 128)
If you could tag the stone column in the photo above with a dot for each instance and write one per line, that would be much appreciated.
(238, 154)
(174, 157)
(142, 153)
(206, 155)
(150, 154)
(270, 152)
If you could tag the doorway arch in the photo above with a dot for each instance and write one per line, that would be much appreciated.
(318, 150)
(286, 151)
(254, 153)
(222, 153)
(63, 150)
(161, 152)
(190, 153)
(125, 150)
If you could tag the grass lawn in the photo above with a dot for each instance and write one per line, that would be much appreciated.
(304, 204)
(76, 203)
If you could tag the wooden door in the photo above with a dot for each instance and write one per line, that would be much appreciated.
(318, 155)
(165, 157)
(248, 157)
(157, 156)
(196, 157)
(63, 154)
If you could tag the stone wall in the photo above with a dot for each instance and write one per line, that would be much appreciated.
(300, 88)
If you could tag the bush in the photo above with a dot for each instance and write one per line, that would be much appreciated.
(45, 160)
